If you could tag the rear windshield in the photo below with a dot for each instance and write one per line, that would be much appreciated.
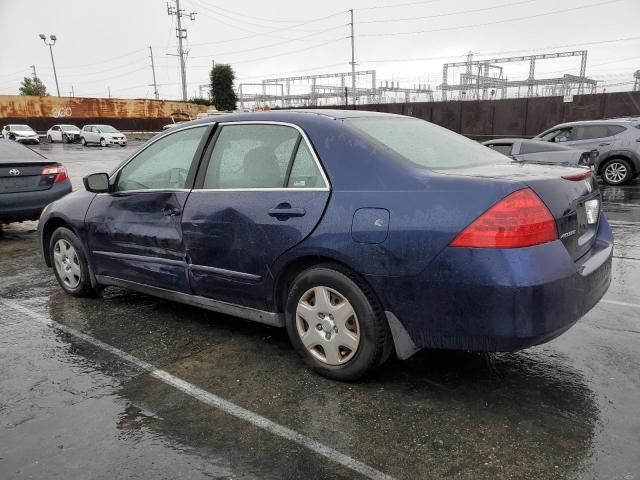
(424, 143)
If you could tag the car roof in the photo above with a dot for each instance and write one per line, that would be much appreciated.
(290, 116)
(12, 151)
(608, 121)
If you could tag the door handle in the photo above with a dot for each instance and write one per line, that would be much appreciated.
(603, 144)
(284, 211)
(170, 211)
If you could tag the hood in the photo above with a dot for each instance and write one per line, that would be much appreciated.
(24, 133)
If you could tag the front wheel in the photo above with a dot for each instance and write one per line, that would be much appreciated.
(69, 263)
(617, 172)
(335, 323)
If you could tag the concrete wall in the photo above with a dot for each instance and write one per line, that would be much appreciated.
(43, 112)
(516, 117)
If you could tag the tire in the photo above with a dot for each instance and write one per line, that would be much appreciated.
(616, 171)
(344, 346)
(83, 142)
(49, 139)
(103, 142)
(69, 263)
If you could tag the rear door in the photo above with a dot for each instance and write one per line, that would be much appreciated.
(135, 233)
(260, 191)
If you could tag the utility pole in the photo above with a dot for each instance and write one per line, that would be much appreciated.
(33, 72)
(353, 60)
(181, 33)
(153, 70)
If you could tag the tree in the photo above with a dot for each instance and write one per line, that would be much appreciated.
(33, 87)
(222, 94)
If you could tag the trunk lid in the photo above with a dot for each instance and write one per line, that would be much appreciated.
(567, 192)
(21, 168)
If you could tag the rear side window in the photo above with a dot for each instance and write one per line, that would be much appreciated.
(424, 143)
(616, 129)
(503, 148)
(589, 132)
(261, 156)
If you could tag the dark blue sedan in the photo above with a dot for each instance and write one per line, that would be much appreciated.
(363, 234)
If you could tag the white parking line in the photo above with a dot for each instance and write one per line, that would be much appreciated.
(624, 304)
(210, 398)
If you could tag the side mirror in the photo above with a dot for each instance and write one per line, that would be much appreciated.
(97, 183)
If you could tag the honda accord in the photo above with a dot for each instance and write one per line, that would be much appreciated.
(363, 234)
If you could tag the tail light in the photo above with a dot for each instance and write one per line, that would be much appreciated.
(579, 176)
(58, 170)
(520, 219)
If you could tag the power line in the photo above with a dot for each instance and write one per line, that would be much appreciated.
(271, 31)
(406, 19)
(292, 51)
(289, 40)
(496, 22)
(503, 52)
(406, 4)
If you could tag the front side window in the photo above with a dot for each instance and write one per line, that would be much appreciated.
(559, 135)
(258, 156)
(164, 164)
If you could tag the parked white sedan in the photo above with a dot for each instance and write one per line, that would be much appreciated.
(104, 135)
(63, 133)
(20, 133)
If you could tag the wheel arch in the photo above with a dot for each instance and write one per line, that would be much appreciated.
(632, 159)
(51, 226)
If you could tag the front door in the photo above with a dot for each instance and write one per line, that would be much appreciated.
(134, 233)
(260, 191)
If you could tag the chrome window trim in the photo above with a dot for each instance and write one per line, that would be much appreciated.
(303, 134)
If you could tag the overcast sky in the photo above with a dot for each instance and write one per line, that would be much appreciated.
(104, 45)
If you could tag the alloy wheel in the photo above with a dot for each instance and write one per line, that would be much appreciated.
(615, 172)
(328, 325)
(67, 263)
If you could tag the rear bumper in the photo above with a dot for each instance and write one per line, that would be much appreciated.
(16, 207)
(499, 300)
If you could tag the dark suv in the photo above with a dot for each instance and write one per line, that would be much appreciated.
(617, 140)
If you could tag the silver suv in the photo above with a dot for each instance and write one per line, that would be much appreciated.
(617, 141)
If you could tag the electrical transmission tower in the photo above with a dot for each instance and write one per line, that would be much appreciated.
(636, 85)
(181, 34)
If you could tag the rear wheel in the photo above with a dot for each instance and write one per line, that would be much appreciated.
(335, 323)
(83, 141)
(103, 142)
(69, 263)
(49, 139)
(616, 172)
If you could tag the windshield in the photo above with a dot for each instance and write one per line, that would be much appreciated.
(107, 129)
(69, 127)
(424, 143)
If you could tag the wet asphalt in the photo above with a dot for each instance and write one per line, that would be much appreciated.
(69, 409)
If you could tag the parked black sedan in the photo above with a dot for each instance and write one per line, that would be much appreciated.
(28, 182)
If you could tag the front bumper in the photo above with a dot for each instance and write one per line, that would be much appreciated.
(30, 140)
(113, 141)
(499, 300)
(21, 206)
